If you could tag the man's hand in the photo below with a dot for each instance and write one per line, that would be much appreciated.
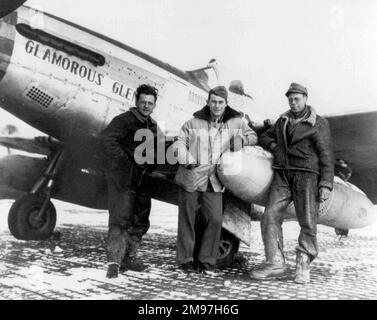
(324, 194)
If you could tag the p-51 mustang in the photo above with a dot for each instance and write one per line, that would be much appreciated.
(69, 82)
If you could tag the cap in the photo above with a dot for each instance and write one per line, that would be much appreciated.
(219, 91)
(296, 88)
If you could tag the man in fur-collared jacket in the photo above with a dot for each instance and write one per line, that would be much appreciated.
(202, 140)
(300, 141)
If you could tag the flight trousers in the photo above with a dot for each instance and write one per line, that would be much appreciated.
(211, 207)
(129, 211)
(302, 188)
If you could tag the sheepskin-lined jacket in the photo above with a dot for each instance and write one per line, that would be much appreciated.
(201, 144)
(305, 146)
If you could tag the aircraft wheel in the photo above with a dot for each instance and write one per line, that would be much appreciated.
(228, 248)
(23, 221)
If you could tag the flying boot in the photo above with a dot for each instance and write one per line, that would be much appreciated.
(130, 261)
(116, 248)
(275, 269)
(302, 268)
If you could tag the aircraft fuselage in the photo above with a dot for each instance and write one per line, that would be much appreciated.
(69, 82)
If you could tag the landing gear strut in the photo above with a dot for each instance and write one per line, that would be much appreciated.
(33, 216)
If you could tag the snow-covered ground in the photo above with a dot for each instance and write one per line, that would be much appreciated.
(74, 267)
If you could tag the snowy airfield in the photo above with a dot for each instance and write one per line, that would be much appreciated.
(72, 264)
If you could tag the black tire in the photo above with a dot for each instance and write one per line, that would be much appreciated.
(11, 222)
(21, 214)
(228, 249)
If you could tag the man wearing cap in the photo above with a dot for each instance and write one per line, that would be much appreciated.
(303, 166)
(213, 129)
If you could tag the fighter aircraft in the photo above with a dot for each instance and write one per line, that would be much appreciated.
(69, 82)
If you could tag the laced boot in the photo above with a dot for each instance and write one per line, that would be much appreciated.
(276, 269)
(302, 268)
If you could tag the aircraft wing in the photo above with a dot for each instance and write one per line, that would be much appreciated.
(40, 145)
(355, 141)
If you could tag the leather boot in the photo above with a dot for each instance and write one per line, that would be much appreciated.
(276, 269)
(116, 245)
(133, 264)
(302, 268)
(130, 261)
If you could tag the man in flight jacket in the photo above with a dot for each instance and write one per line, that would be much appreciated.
(303, 166)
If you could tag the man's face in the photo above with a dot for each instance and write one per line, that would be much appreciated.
(297, 102)
(145, 104)
(216, 105)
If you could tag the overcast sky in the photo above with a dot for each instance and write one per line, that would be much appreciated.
(329, 46)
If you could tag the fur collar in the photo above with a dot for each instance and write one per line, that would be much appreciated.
(205, 114)
(311, 119)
